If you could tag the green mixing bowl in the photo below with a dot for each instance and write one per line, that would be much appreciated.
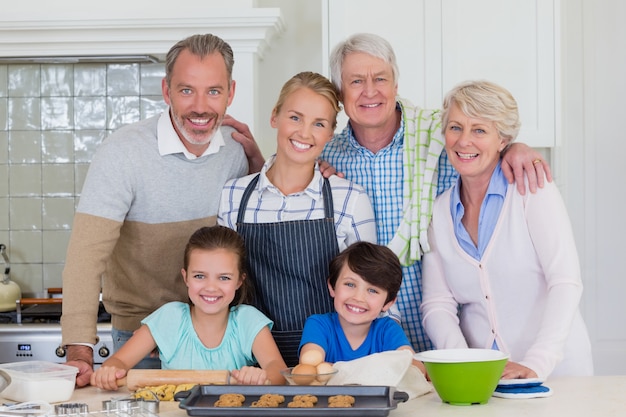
(464, 376)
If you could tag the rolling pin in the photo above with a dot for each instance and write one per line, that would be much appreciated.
(139, 378)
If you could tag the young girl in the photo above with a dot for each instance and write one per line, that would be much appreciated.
(364, 281)
(293, 220)
(215, 331)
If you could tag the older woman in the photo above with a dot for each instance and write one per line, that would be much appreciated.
(503, 272)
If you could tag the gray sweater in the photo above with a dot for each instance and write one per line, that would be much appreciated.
(136, 213)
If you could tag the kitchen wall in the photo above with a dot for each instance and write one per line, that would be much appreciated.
(304, 38)
(52, 119)
(590, 165)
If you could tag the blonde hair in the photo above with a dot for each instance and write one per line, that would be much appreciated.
(315, 82)
(488, 101)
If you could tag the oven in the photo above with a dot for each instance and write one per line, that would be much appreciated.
(33, 333)
(42, 342)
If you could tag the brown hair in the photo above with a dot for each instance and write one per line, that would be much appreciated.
(221, 237)
(376, 264)
(201, 46)
(315, 82)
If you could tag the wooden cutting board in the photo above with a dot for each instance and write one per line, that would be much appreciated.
(139, 378)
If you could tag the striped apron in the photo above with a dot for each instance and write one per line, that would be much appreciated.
(288, 266)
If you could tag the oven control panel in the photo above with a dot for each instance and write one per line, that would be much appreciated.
(42, 342)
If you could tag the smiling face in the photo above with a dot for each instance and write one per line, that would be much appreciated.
(304, 124)
(368, 91)
(356, 301)
(212, 278)
(473, 145)
(198, 94)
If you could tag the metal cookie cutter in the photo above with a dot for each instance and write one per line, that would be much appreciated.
(71, 409)
(131, 406)
(30, 409)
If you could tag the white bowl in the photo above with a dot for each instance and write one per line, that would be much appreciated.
(460, 355)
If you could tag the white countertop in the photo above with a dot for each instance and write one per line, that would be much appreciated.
(599, 396)
(603, 396)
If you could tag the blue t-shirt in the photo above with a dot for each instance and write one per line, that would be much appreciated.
(180, 347)
(325, 330)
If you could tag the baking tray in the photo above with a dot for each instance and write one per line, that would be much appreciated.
(372, 401)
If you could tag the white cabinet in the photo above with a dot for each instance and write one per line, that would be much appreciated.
(439, 43)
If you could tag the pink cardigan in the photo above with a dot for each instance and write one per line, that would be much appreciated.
(523, 294)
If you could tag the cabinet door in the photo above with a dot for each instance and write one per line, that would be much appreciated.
(401, 22)
(439, 43)
(512, 43)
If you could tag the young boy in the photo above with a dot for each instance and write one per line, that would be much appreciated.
(364, 281)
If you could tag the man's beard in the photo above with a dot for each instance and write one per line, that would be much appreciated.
(197, 136)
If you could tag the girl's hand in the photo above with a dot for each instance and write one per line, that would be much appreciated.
(250, 375)
(514, 370)
(106, 377)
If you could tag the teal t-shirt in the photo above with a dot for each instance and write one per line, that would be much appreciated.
(179, 345)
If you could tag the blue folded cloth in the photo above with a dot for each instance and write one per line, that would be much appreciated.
(522, 388)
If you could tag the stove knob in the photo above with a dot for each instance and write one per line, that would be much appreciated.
(60, 352)
(103, 351)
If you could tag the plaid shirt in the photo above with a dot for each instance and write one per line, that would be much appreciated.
(381, 174)
(354, 217)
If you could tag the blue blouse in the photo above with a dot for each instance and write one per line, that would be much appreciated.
(489, 213)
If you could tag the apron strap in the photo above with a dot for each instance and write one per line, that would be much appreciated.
(244, 199)
(327, 193)
(328, 200)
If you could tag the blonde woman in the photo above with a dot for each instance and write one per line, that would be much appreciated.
(295, 221)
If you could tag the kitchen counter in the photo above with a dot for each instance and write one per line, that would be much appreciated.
(572, 397)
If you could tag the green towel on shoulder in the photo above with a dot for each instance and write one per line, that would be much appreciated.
(423, 144)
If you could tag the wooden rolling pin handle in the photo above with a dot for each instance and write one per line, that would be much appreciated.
(139, 378)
